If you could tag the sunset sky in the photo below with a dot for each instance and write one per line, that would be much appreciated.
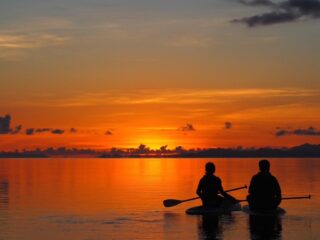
(118, 73)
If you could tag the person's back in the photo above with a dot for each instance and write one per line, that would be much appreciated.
(210, 186)
(264, 190)
(208, 189)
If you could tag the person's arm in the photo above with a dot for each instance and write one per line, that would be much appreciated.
(252, 186)
(199, 188)
(221, 190)
(277, 190)
(224, 194)
(251, 191)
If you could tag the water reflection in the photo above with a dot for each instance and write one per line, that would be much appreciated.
(211, 227)
(265, 227)
(34, 193)
(4, 206)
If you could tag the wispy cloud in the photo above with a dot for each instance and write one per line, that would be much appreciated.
(191, 41)
(15, 46)
(281, 12)
(178, 96)
(17, 39)
(21, 41)
(257, 2)
(39, 25)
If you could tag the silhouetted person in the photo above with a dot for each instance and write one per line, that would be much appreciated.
(264, 189)
(210, 186)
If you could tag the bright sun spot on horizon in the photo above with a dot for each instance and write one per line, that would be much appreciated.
(154, 142)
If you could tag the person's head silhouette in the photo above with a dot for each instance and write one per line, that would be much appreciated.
(210, 168)
(264, 165)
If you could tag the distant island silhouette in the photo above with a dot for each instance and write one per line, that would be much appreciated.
(142, 151)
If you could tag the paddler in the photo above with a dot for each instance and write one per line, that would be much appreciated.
(264, 189)
(210, 187)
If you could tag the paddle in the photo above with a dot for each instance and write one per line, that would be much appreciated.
(285, 198)
(299, 197)
(174, 202)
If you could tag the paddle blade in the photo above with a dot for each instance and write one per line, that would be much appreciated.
(171, 202)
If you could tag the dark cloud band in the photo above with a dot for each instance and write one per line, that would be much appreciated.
(286, 11)
(31, 131)
(311, 131)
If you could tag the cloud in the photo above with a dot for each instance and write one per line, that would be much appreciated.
(177, 96)
(40, 130)
(228, 125)
(109, 132)
(311, 131)
(16, 130)
(187, 128)
(73, 130)
(257, 2)
(281, 12)
(268, 19)
(191, 41)
(57, 131)
(5, 126)
(24, 41)
(18, 39)
(15, 45)
(31, 131)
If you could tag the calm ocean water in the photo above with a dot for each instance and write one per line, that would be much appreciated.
(93, 199)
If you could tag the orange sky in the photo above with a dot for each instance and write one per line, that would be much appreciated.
(158, 73)
(177, 117)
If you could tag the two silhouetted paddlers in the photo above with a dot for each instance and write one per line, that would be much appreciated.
(264, 194)
(264, 190)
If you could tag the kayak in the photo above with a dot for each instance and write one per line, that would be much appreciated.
(201, 210)
(277, 212)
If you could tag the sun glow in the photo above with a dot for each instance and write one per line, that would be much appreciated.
(154, 142)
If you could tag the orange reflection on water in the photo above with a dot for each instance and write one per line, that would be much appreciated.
(54, 193)
(92, 185)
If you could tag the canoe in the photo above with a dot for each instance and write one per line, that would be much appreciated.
(201, 210)
(277, 212)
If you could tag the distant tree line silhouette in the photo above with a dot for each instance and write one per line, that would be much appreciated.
(305, 150)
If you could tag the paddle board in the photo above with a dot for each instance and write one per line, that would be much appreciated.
(277, 212)
(201, 210)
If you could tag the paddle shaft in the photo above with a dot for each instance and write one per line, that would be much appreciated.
(230, 190)
(300, 197)
(286, 198)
